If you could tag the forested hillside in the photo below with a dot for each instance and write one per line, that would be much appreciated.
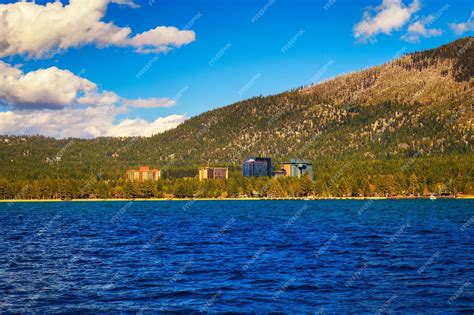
(415, 113)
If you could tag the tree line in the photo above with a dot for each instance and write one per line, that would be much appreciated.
(452, 175)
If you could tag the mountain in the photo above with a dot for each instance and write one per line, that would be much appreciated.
(419, 105)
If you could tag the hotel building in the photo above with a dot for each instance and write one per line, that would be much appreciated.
(257, 166)
(213, 173)
(297, 168)
(143, 174)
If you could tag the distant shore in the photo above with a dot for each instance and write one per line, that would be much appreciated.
(232, 199)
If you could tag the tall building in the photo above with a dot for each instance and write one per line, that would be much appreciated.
(257, 166)
(143, 174)
(297, 168)
(213, 173)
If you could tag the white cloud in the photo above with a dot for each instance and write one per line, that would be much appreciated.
(57, 103)
(461, 28)
(99, 99)
(82, 123)
(44, 88)
(419, 29)
(40, 31)
(140, 127)
(54, 88)
(156, 40)
(389, 16)
(150, 102)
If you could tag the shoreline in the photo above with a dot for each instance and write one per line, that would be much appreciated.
(465, 197)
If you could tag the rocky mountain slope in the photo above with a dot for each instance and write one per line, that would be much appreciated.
(418, 104)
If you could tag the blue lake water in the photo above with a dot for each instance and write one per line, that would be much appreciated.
(386, 256)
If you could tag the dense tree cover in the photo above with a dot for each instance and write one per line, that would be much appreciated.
(402, 177)
(402, 128)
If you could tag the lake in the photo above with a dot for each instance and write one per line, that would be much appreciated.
(382, 256)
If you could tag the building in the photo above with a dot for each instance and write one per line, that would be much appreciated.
(297, 168)
(256, 167)
(213, 173)
(143, 174)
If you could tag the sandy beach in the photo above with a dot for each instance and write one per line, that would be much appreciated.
(230, 199)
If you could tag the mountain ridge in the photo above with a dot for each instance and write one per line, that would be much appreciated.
(420, 81)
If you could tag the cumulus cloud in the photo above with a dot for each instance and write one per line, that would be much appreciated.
(44, 88)
(82, 123)
(54, 88)
(419, 29)
(461, 28)
(157, 40)
(57, 103)
(39, 31)
(389, 16)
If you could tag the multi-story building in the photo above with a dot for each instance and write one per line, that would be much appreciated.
(142, 174)
(257, 166)
(298, 168)
(213, 173)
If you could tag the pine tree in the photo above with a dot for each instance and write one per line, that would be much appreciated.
(148, 189)
(306, 185)
(275, 190)
(3, 188)
(232, 188)
(414, 185)
(391, 185)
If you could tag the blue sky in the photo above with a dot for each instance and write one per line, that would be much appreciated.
(244, 48)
